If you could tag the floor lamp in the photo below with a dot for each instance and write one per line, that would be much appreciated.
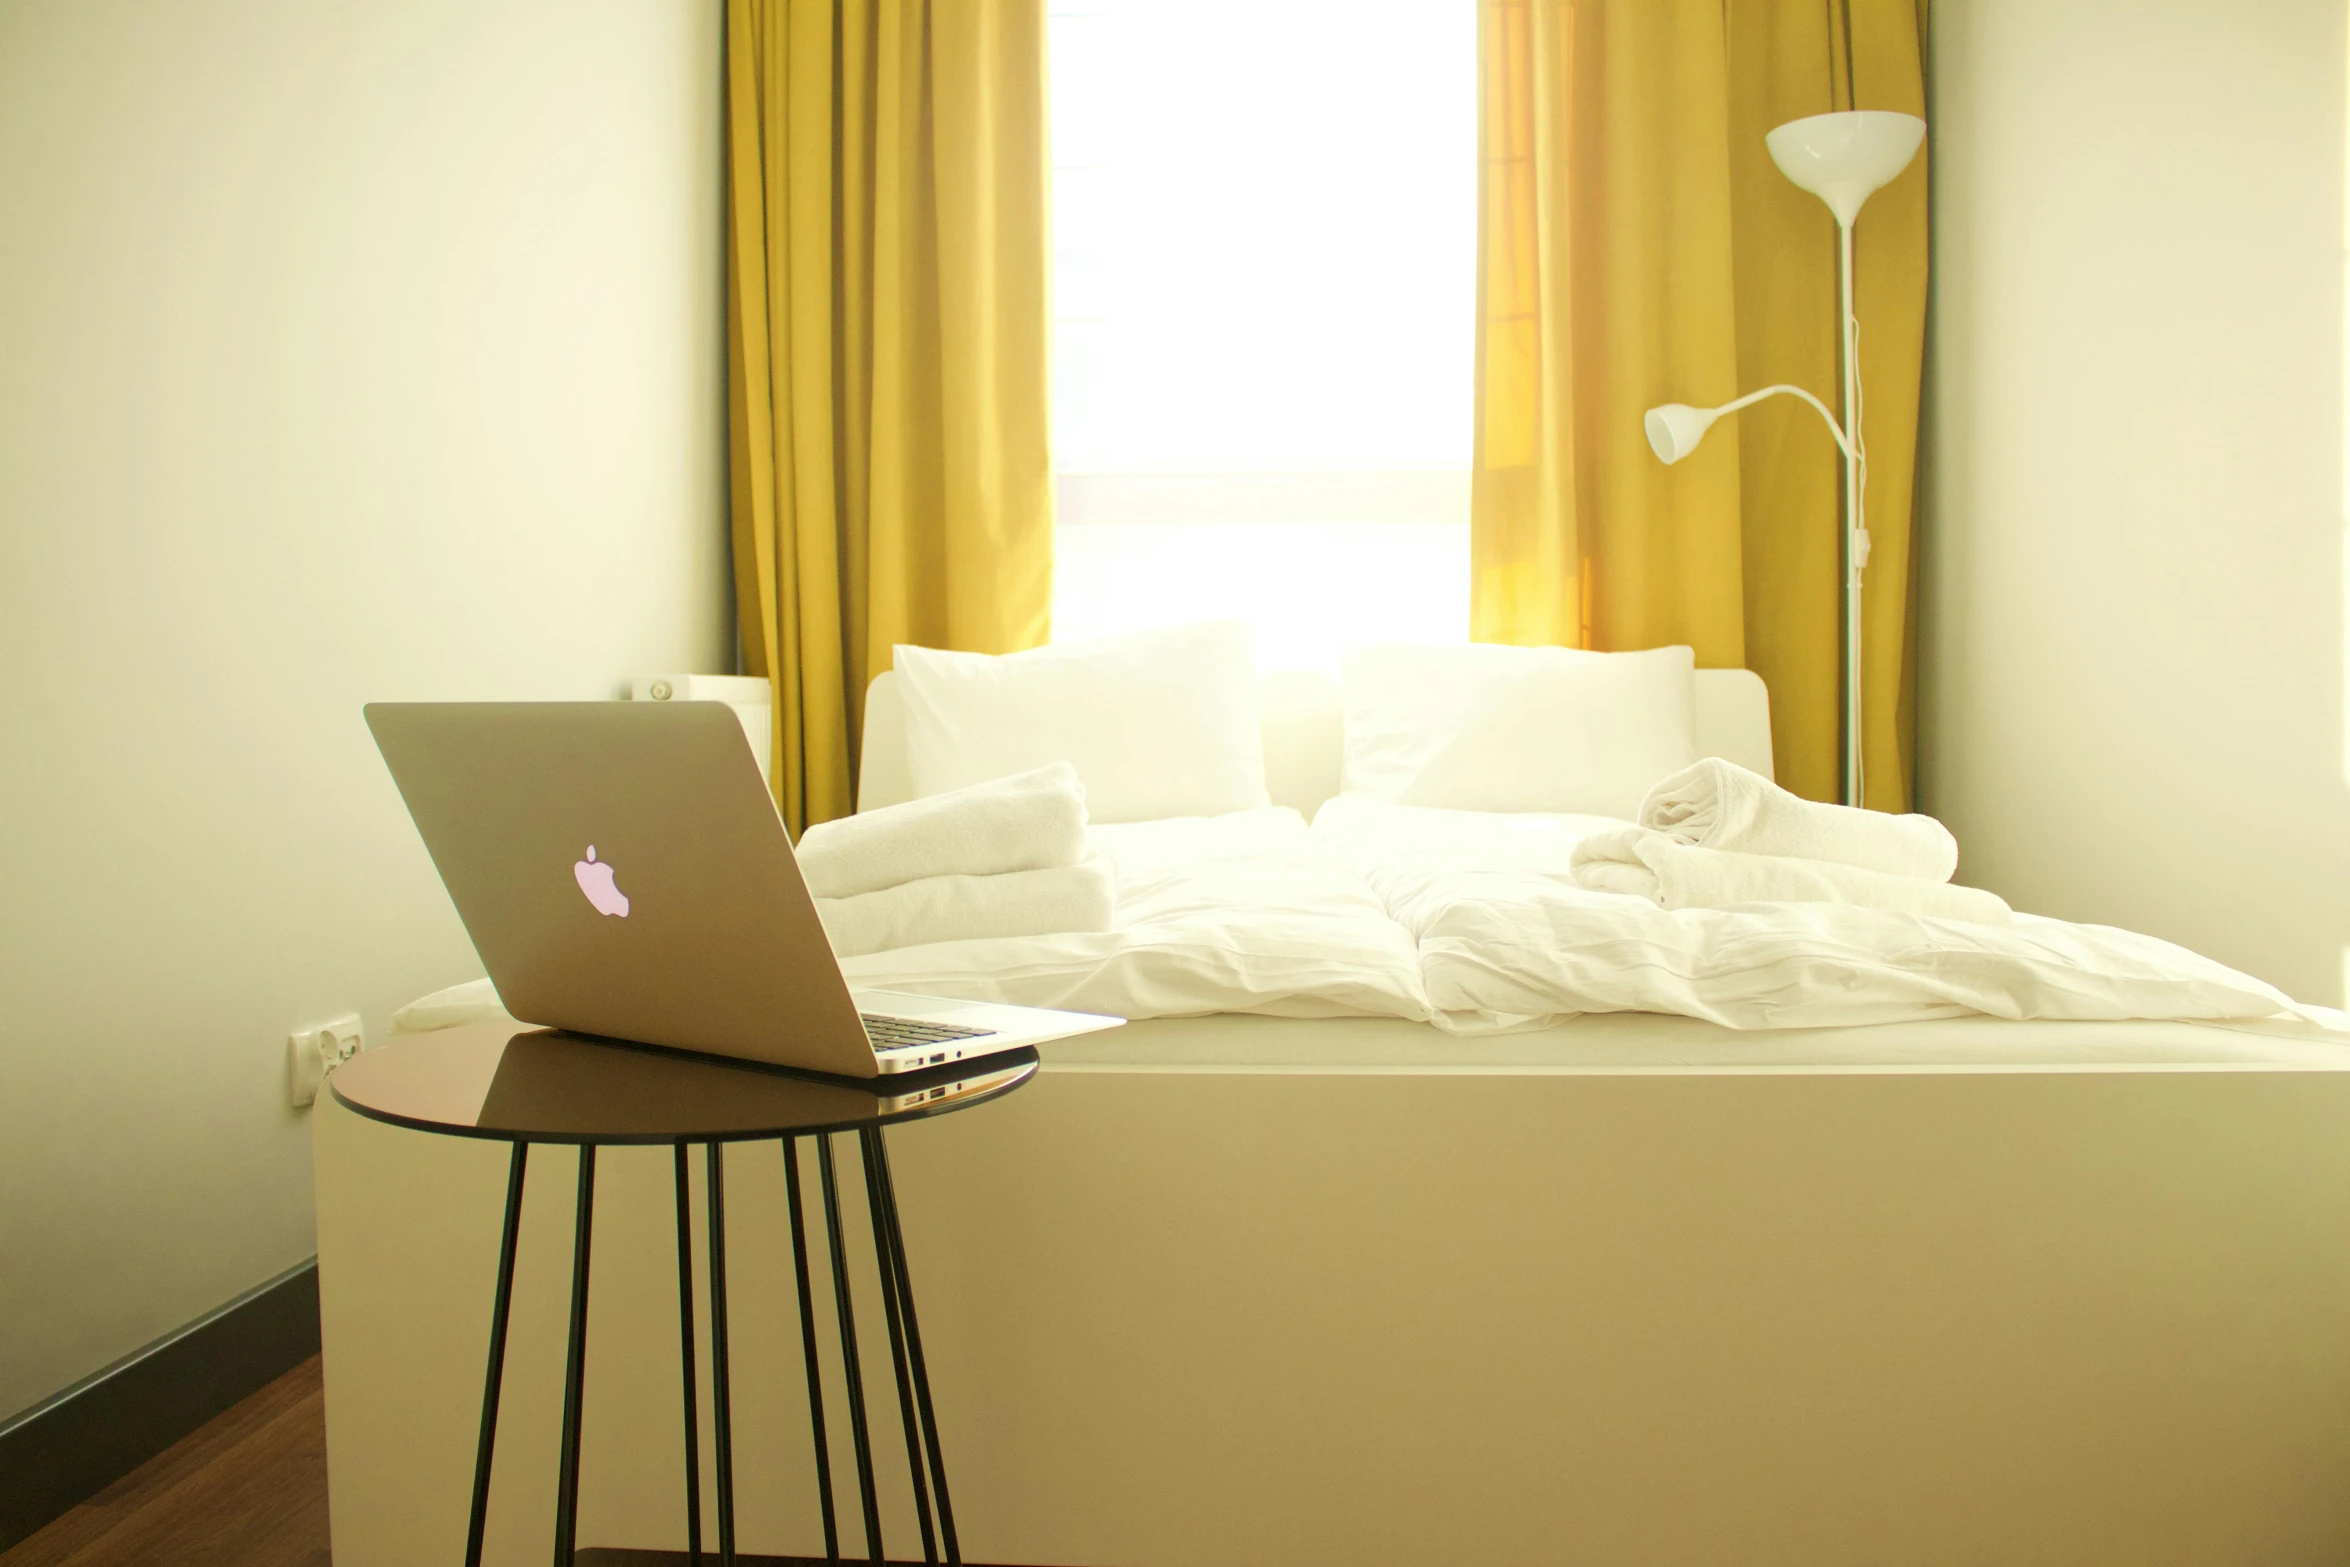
(1842, 159)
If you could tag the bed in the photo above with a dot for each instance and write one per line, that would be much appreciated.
(1632, 1288)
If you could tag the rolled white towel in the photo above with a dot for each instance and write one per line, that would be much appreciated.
(1654, 866)
(1027, 822)
(1714, 804)
(1079, 897)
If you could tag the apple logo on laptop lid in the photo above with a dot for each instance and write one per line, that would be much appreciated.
(595, 879)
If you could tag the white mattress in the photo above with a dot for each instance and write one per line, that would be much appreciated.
(1650, 1043)
(1624, 1042)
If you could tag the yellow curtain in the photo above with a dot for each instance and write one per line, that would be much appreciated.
(1638, 246)
(888, 330)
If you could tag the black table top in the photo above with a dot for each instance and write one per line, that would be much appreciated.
(537, 1085)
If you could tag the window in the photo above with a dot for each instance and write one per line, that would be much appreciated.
(1264, 243)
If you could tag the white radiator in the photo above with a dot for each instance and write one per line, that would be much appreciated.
(749, 696)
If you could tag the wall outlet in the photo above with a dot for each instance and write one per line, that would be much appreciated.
(313, 1052)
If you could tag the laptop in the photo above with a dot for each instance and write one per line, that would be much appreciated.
(622, 871)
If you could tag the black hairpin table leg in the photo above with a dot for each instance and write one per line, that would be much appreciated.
(575, 1360)
(884, 1248)
(685, 1349)
(848, 1349)
(799, 1258)
(721, 1385)
(898, 1281)
(500, 1310)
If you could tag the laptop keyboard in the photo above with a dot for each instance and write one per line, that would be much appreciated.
(899, 1033)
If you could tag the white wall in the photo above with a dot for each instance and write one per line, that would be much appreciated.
(346, 352)
(2133, 589)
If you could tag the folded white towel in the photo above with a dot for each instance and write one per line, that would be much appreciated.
(1652, 865)
(1027, 822)
(475, 1001)
(1079, 897)
(1714, 804)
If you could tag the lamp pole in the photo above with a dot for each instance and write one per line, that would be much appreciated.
(1856, 533)
(1842, 159)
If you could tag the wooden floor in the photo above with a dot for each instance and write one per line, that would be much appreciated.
(248, 1490)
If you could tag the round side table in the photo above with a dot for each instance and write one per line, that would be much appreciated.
(526, 1086)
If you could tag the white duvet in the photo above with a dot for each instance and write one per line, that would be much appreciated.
(1471, 921)
(1242, 913)
(1507, 940)
(1249, 912)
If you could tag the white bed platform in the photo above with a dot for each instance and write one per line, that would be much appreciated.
(1235, 1292)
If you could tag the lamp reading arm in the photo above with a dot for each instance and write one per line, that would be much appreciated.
(1674, 429)
(1842, 443)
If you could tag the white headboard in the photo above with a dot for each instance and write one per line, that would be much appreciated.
(1305, 734)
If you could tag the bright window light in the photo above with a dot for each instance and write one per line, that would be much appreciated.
(1264, 243)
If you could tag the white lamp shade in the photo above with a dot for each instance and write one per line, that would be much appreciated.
(1843, 158)
(1675, 429)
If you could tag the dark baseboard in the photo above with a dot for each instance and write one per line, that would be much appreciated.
(592, 1556)
(67, 1449)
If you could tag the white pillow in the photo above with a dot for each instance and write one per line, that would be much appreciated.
(1483, 727)
(1157, 723)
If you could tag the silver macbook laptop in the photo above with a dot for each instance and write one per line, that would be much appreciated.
(622, 871)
